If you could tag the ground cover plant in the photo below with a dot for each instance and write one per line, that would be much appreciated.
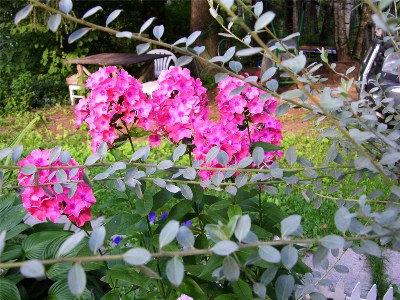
(204, 221)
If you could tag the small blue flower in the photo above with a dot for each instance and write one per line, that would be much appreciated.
(187, 223)
(152, 217)
(117, 240)
(164, 215)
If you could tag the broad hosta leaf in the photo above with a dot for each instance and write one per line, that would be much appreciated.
(168, 233)
(175, 271)
(137, 256)
(70, 243)
(9, 290)
(65, 6)
(224, 248)
(23, 13)
(284, 286)
(242, 290)
(290, 224)
(32, 269)
(53, 22)
(111, 17)
(231, 269)
(146, 24)
(76, 279)
(76, 35)
(92, 11)
(269, 254)
(264, 20)
(96, 239)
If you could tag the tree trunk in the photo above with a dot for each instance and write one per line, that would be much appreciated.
(341, 41)
(363, 35)
(295, 16)
(201, 19)
(348, 10)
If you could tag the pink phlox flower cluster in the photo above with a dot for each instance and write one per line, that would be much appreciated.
(230, 132)
(184, 297)
(116, 99)
(178, 104)
(43, 201)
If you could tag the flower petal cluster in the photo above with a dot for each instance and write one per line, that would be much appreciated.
(115, 103)
(244, 120)
(179, 102)
(46, 201)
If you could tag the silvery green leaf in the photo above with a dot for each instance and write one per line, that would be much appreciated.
(93, 158)
(395, 190)
(160, 182)
(258, 9)
(212, 154)
(268, 73)
(92, 11)
(168, 233)
(70, 243)
(242, 227)
(341, 269)
(65, 6)
(113, 16)
(180, 41)
(264, 20)
(1, 180)
(142, 48)
(224, 248)
(271, 190)
(289, 256)
(230, 269)
(146, 24)
(269, 254)
(291, 94)
(216, 59)
(23, 13)
(250, 238)
(61, 176)
(282, 109)
(268, 275)
(319, 255)
(290, 224)
(241, 179)
(5, 152)
(189, 173)
(222, 158)
(290, 36)
(245, 162)
(32, 269)
(258, 288)
(120, 185)
(371, 248)
(273, 85)
(333, 241)
(213, 12)
(310, 173)
(138, 191)
(258, 155)
(137, 256)
(17, 151)
(215, 233)
(231, 190)
(383, 4)
(229, 54)
(284, 286)
(73, 172)
(165, 164)
(124, 34)
(184, 60)
(28, 169)
(291, 155)
(175, 271)
(172, 188)
(227, 3)
(185, 237)
(247, 39)
(390, 158)
(199, 49)
(328, 102)
(53, 22)
(2, 241)
(192, 38)
(349, 70)
(217, 178)
(249, 51)
(140, 153)
(96, 239)
(276, 173)
(342, 221)
(76, 35)
(360, 136)
(254, 79)
(218, 274)
(236, 91)
(186, 191)
(158, 31)
(235, 66)
(65, 157)
(76, 279)
(178, 152)
(381, 22)
(220, 76)
(295, 64)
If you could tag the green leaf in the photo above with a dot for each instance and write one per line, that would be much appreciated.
(242, 290)
(267, 146)
(284, 286)
(32, 269)
(289, 256)
(76, 279)
(10, 217)
(179, 210)
(137, 256)
(269, 254)
(9, 290)
(175, 271)
(168, 233)
(224, 248)
(231, 269)
(290, 224)
(35, 244)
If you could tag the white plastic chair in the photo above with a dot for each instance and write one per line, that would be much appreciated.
(72, 83)
(72, 88)
(164, 62)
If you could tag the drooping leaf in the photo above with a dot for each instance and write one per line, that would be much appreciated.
(77, 279)
(290, 224)
(269, 254)
(32, 269)
(65, 6)
(96, 239)
(23, 13)
(185, 237)
(70, 243)
(258, 9)
(53, 22)
(175, 271)
(242, 227)
(289, 256)
(142, 48)
(230, 269)
(284, 286)
(158, 31)
(295, 64)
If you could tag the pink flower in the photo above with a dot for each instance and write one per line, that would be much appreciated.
(184, 297)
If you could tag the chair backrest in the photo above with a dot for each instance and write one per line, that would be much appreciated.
(164, 62)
